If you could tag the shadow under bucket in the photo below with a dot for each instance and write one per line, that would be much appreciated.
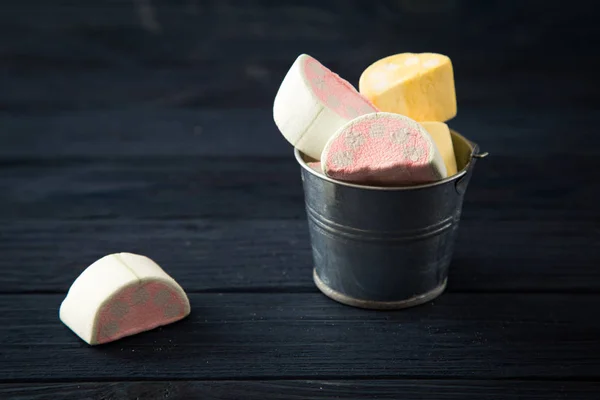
(385, 247)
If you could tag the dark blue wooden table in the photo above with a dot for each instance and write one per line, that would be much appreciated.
(146, 126)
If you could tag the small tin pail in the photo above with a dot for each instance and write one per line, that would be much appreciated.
(385, 247)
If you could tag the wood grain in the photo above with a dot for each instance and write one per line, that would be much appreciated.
(275, 256)
(304, 389)
(170, 131)
(60, 56)
(502, 188)
(304, 336)
(146, 126)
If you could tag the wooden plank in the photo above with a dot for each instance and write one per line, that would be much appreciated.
(305, 389)
(163, 131)
(304, 336)
(143, 132)
(502, 188)
(61, 57)
(255, 85)
(152, 188)
(275, 255)
(238, 22)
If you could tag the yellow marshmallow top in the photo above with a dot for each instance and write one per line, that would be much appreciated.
(417, 85)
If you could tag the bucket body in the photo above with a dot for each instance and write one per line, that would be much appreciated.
(384, 247)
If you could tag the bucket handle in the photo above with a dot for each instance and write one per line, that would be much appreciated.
(461, 184)
(476, 153)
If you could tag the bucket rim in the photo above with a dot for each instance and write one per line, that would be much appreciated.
(474, 152)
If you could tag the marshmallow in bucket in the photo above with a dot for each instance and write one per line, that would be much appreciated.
(440, 133)
(418, 85)
(313, 102)
(383, 149)
(350, 140)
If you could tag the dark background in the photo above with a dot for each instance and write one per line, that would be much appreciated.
(59, 56)
(146, 126)
(130, 68)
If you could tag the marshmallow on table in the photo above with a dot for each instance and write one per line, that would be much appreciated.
(440, 133)
(312, 103)
(383, 149)
(120, 295)
(418, 85)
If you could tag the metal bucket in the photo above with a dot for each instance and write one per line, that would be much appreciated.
(385, 247)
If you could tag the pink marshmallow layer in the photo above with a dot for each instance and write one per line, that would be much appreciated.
(334, 92)
(382, 149)
(139, 308)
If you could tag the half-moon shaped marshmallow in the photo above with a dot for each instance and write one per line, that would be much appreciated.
(383, 149)
(420, 86)
(121, 295)
(313, 102)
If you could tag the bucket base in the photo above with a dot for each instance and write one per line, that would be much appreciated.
(374, 304)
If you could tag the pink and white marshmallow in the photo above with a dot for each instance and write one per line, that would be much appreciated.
(383, 149)
(313, 102)
(121, 295)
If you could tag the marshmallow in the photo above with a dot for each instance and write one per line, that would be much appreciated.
(121, 295)
(312, 103)
(420, 86)
(316, 166)
(383, 149)
(440, 133)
